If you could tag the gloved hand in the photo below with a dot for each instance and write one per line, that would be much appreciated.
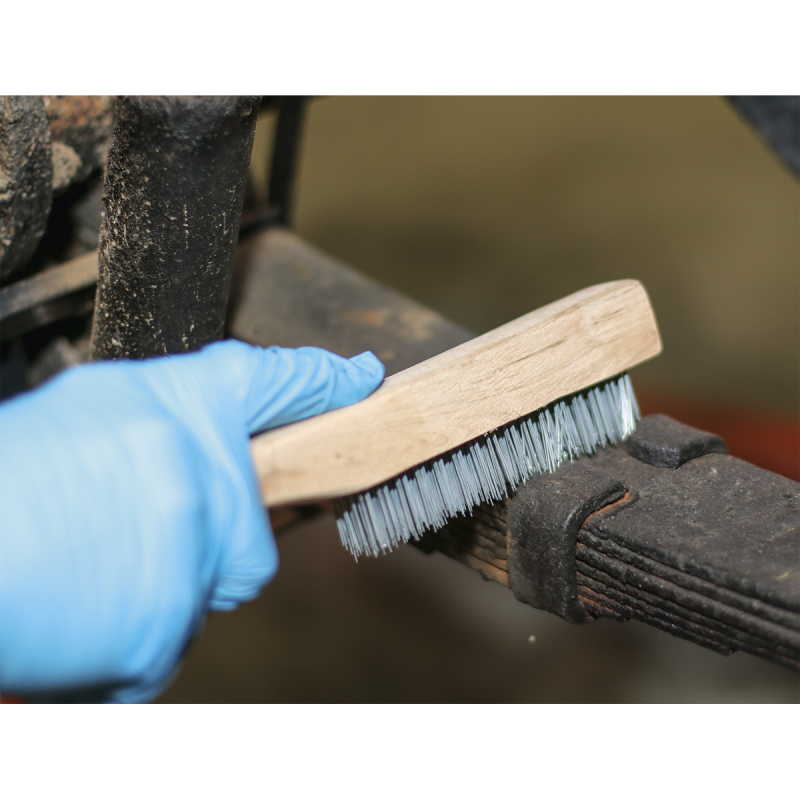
(129, 507)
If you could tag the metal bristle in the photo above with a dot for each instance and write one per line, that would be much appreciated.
(486, 469)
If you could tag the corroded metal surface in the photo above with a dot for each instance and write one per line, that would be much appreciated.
(62, 291)
(286, 292)
(26, 179)
(705, 549)
(46, 144)
(173, 199)
(80, 130)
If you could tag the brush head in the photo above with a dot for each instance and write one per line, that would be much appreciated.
(486, 469)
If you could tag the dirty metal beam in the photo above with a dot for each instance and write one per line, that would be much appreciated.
(288, 293)
(173, 197)
(668, 529)
(24, 295)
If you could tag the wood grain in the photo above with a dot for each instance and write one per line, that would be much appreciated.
(465, 392)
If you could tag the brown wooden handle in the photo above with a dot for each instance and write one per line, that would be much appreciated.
(439, 404)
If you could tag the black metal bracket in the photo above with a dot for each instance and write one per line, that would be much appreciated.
(285, 152)
(545, 518)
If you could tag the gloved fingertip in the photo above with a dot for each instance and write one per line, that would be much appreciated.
(293, 384)
(370, 363)
(356, 378)
(244, 580)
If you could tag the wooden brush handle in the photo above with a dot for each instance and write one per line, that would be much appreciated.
(439, 404)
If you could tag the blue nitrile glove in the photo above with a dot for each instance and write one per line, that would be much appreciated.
(129, 507)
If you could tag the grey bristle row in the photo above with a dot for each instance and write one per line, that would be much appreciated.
(486, 469)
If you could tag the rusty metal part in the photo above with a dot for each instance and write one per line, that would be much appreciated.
(285, 151)
(546, 516)
(46, 144)
(706, 550)
(76, 305)
(286, 292)
(479, 541)
(543, 525)
(175, 181)
(25, 295)
(26, 179)
(63, 291)
(80, 130)
(60, 288)
(270, 102)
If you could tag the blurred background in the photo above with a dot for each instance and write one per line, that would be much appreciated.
(484, 209)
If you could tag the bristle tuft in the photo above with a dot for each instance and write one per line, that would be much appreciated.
(486, 469)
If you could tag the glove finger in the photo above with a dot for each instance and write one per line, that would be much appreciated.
(290, 385)
(250, 559)
(279, 385)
